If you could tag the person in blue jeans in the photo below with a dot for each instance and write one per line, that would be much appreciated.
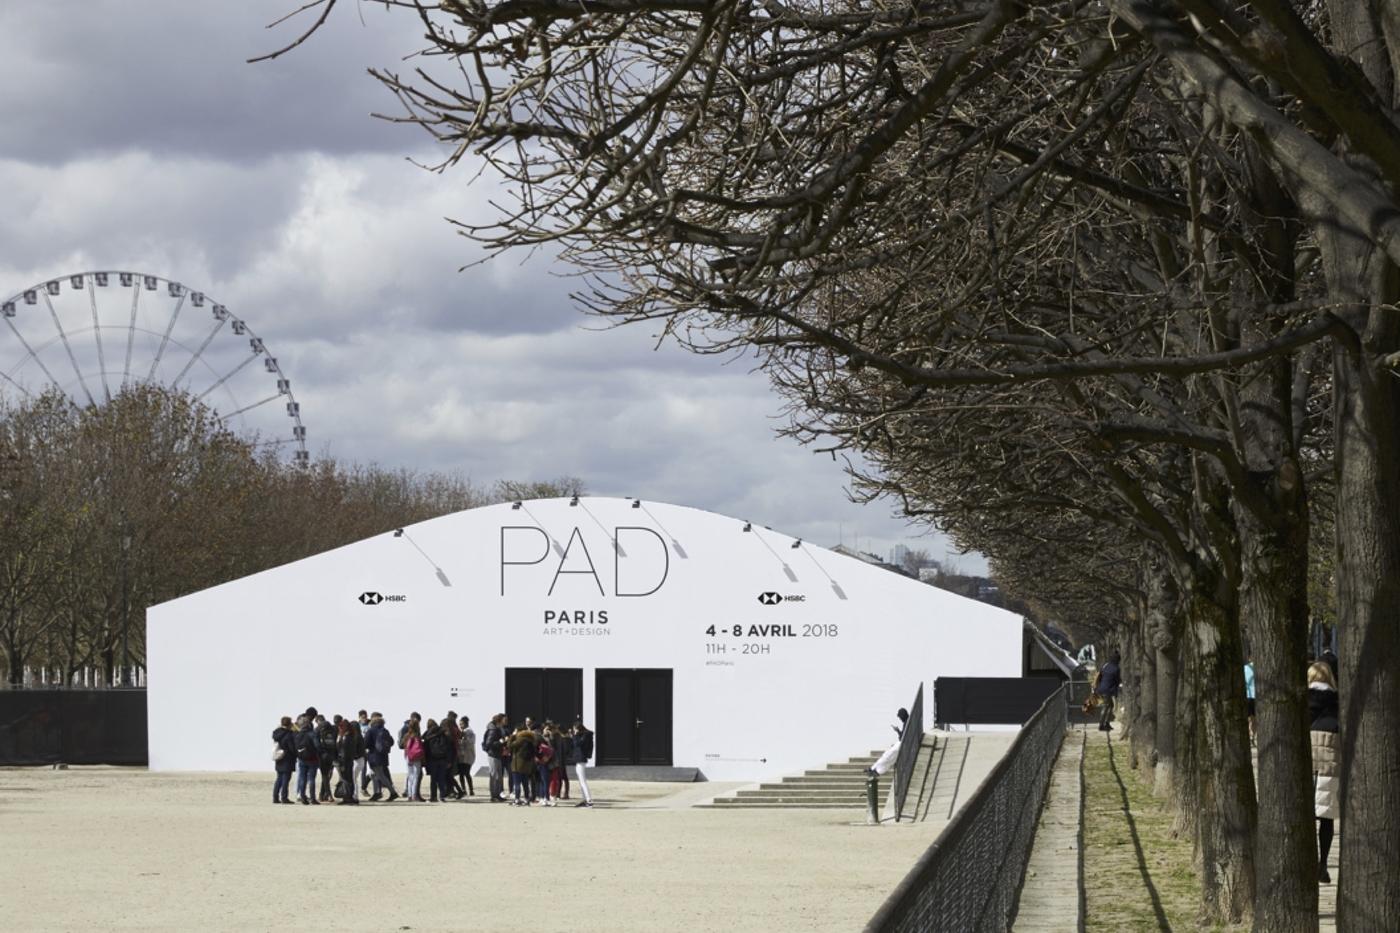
(282, 743)
(308, 760)
(1249, 694)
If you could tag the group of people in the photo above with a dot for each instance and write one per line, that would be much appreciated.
(537, 759)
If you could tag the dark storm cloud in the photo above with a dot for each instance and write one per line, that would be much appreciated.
(170, 76)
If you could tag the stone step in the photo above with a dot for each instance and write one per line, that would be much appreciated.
(726, 804)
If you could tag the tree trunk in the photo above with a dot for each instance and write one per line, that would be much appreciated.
(1225, 775)
(1145, 725)
(1368, 607)
(1274, 611)
(1162, 776)
(1186, 788)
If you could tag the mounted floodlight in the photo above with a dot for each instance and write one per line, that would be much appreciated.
(637, 504)
(101, 278)
(398, 532)
(515, 506)
(748, 526)
(573, 501)
(52, 287)
(76, 281)
(797, 544)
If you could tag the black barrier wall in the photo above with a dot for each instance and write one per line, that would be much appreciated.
(76, 727)
(983, 700)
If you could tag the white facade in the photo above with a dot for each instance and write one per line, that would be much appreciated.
(759, 687)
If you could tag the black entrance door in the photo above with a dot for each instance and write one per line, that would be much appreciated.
(544, 693)
(634, 716)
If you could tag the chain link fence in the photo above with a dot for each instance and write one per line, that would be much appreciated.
(968, 879)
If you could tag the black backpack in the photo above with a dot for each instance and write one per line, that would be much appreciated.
(385, 742)
(527, 751)
(327, 740)
(306, 745)
(440, 746)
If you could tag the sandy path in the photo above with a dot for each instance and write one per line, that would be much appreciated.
(94, 848)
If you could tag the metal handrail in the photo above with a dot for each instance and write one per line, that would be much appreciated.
(968, 879)
(909, 744)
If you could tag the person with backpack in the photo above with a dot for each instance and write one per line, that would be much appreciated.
(414, 754)
(522, 746)
(558, 761)
(582, 750)
(378, 744)
(493, 744)
(284, 759)
(308, 760)
(466, 758)
(544, 754)
(326, 733)
(403, 730)
(454, 732)
(350, 748)
(438, 744)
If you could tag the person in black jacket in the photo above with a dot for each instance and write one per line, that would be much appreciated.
(1323, 711)
(282, 742)
(493, 742)
(439, 747)
(1107, 685)
(308, 760)
(349, 746)
(325, 743)
(579, 752)
(378, 745)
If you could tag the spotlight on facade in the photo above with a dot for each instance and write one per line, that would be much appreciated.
(636, 503)
(573, 501)
(797, 544)
(515, 506)
(398, 532)
(748, 526)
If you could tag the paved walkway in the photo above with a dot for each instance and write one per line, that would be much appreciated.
(1049, 898)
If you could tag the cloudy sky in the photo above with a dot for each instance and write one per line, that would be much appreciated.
(135, 137)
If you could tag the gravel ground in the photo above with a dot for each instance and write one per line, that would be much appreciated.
(114, 849)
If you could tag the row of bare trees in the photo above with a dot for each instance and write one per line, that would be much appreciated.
(1106, 288)
(109, 509)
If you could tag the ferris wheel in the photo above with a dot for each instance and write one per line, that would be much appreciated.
(92, 334)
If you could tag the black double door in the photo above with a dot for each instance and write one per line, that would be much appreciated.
(634, 716)
(544, 693)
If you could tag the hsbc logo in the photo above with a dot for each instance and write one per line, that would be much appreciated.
(769, 599)
(374, 599)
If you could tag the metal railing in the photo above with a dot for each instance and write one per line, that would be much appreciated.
(909, 743)
(968, 879)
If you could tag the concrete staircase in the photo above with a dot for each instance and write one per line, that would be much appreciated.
(842, 784)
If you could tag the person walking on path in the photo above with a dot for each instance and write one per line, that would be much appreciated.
(466, 757)
(1107, 685)
(284, 759)
(378, 744)
(559, 765)
(493, 744)
(308, 760)
(579, 752)
(1323, 708)
(1249, 694)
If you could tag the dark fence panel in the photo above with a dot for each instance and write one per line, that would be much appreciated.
(967, 880)
(981, 700)
(76, 727)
